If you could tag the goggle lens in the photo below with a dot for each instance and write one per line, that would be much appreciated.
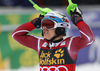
(48, 24)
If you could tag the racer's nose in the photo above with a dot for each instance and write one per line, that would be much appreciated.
(45, 28)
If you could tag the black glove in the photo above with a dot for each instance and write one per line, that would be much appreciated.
(37, 21)
(76, 16)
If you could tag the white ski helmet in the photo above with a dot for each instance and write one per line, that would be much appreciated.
(56, 20)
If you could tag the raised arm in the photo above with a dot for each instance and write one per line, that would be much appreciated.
(21, 34)
(87, 36)
(85, 39)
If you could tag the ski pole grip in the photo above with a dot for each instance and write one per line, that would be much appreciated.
(71, 7)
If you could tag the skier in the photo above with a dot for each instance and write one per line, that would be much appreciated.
(55, 52)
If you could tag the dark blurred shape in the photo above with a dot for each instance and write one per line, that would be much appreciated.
(86, 2)
(40, 2)
(55, 2)
(26, 3)
(9, 2)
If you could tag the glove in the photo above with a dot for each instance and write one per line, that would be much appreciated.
(37, 21)
(76, 16)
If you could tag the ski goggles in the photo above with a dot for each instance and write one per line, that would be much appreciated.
(50, 24)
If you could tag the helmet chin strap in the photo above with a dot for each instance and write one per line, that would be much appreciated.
(53, 38)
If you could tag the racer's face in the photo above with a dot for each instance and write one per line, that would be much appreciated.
(48, 33)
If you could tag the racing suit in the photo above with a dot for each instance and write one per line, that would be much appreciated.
(61, 55)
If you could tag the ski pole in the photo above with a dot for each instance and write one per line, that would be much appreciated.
(43, 10)
(71, 7)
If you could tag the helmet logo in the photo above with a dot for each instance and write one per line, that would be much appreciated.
(63, 19)
(52, 17)
(67, 21)
(46, 16)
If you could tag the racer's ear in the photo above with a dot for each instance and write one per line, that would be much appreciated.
(60, 31)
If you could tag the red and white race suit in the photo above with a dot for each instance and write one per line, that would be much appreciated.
(60, 56)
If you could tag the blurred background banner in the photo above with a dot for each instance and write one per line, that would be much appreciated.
(16, 57)
(12, 54)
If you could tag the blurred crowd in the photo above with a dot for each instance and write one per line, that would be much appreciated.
(26, 3)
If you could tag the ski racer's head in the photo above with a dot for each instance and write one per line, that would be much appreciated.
(54, 25)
